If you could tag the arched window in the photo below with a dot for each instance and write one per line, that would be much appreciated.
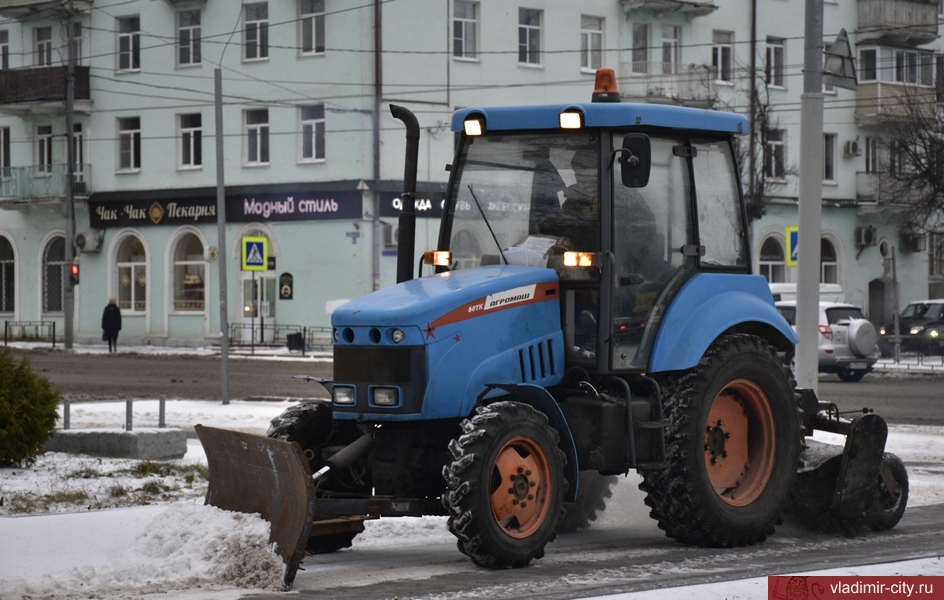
(54, 270)
(132, 275)
(189, 274)
(829, 265)
(772, 264)
(7, 276)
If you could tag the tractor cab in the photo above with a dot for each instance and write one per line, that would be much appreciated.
(621, 200)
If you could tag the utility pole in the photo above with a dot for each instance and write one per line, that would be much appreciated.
(378, 96)
(811, 198)
(68, 300)
(221, 232)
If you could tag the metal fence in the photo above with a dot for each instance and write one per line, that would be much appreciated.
(44, 331)
(296, 337)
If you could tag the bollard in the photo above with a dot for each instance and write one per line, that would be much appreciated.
(160, 412)
(128, 405)
(66, 408)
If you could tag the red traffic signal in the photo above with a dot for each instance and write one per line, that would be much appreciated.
(74, 273)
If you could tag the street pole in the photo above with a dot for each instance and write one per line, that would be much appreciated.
(811, 198)
(68, 300)
(221, 233)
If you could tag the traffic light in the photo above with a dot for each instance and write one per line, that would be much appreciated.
(74, 273)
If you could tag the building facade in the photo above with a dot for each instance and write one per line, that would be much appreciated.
(312, 159)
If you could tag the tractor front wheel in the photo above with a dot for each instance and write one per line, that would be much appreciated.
(732, 447)
(505, 486)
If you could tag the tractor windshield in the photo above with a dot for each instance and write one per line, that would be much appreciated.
(516, 195)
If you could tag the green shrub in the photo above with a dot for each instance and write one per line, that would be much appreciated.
(28, 411)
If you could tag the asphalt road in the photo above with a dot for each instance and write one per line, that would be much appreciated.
(623, 552)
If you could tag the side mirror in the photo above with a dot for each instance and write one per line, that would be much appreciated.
(635, 158)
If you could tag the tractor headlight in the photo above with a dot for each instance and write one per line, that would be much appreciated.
(917, 329)
(397, 336)
(385, 396)
(881, 331)
(934, 333)
(343, 394)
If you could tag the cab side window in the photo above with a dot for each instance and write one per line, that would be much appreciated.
(721, 228)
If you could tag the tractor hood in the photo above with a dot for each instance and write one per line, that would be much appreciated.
(447, 298)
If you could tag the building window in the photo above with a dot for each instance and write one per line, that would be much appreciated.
(129, 44)
(312, 23)
(829, 265)
(465, 29)
(4, 50)
(54, 270)
(44, 149)
(640, 48)
(191, 141)
(189, 275)
(868, 64)
(529, 36)
(671, 49)
(7, 276)
(188, 37)
(256, 32)
(775, 156)
(78, 153)
(775, 62)
(257, 136)
(936, 255)
(772, 263)
(129, 144)
(132, 275)
(829, 157)
(591, 43)
(722, 55)
(5, 152)
(42, 46)
(312, 143)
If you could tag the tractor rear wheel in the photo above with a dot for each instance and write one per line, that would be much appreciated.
(311, 425)
(732, 447)
(505, 486)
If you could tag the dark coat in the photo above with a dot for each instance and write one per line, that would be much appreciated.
(111, 320)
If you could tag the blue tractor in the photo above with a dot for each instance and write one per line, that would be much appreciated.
(590, 309)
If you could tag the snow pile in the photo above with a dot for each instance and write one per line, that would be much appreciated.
(180, 547)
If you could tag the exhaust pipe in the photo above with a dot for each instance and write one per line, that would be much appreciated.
(407, 222)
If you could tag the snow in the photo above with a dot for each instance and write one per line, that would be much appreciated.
(157, 539)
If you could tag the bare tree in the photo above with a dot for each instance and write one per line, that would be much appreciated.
(911, 129)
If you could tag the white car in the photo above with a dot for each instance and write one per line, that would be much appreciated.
(848, 342)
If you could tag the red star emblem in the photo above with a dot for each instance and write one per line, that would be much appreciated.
(457, 338)
(429, 331)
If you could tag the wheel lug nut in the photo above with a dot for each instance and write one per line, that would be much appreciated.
(524, 505)
(714, 460)
(515, 501)
(511, 490)
(724, 454)
(727, 436)
(532, 484)
(521, 469)
(720, 423)
(530, 497)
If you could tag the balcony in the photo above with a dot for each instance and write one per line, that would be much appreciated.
(27, 184)
(885, 190)
(24, 9)
(882, 98)
(897, 22)
(688, 8)
(668, 83)
(41, 90)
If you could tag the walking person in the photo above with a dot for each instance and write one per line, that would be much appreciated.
(111, 324)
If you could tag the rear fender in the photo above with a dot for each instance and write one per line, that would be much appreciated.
(708, 305)
(540, 399)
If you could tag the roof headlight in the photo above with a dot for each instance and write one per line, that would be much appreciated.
(474, 126)
(570, 119)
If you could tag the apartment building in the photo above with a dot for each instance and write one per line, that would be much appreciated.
(312, 159)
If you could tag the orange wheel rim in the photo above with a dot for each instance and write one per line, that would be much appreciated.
(520, 487)
(740, 442)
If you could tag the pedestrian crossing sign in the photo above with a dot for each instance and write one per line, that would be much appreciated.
(255, 253)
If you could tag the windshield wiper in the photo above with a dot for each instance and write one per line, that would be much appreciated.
(487, 224)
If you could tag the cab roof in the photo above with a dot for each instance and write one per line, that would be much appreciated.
(604, 114)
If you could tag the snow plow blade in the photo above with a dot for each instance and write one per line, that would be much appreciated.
(270, 477)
